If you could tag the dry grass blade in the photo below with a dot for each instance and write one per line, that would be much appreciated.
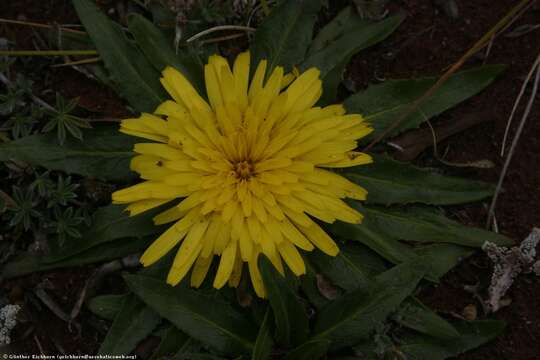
(513, 147)
(45, 26)
(518, 100)
(484, 40)
(47, 52)
(79, 62)
(219, 28)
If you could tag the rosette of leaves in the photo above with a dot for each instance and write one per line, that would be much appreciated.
(359, 304)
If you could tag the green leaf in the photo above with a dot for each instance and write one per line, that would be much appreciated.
(383, 244)
(391, 182)
(308, 284)
(442, 258)
(104, 154)
(291, 320)
(106, 306)
(351, 269)
(353, 317)
(264, 342)
(284, 36)
(382, 104)
(472, 335)
(28, 263)
(160, 53)
(110, 223)
(172, 342)
(310, 350)
(134, 322)
(136, 79)
(423, 224)
(204, 318)
(346, 21)
(415, 315)
(332, 59)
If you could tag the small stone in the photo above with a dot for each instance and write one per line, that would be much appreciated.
(470, 312)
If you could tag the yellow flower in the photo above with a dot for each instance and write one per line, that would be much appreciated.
(250, 165)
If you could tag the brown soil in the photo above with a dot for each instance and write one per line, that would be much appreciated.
(426, 44)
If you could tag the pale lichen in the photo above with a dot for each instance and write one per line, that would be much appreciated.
(8, 320)
(508, 263)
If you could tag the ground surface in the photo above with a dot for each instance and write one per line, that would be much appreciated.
(426, 44)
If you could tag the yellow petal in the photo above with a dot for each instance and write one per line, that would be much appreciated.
(200, 269)
(226, 265)
(292, 258)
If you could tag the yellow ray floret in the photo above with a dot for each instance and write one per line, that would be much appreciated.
(252, 165)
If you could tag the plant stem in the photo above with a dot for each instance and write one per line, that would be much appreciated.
(27, 23)
(47, 52)
(473, 50)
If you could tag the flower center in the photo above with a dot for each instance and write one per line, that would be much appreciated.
(243, 169)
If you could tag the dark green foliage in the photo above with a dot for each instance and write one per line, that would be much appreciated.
(361, 301)
(392, 182)
(383, 103)
(208, 320)
(62, 120)
(284, 36)
(133, 322)
(104, 153)
(133, 76)
(290, 316)
(24, 211)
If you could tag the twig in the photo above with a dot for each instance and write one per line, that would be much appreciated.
(51, 304)
(39, 345)
(33, 24)
(78, 62)
(513, 147)
(482, 164)
(456, 66)
(221, 38)
(219, 28)
(37, 100)
(518, 100)
(47, 52)
(94, 279)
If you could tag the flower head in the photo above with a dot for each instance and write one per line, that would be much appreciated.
(253, 167)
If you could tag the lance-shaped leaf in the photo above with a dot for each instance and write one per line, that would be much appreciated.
(415, 315)
(358, 35)
(383, 244)
(351, 269)
(264, 342)
(289, 314)
(392, 182)
(204, 318)
(106, 306)
(423, 224)
(160, 53)
(382, 104)
(134, 322)
(310, 350)
(28, 263)
(172, 342)
(344, 22)
(353, 317)
(284, 36)
(137, 81)
(442, 258)
(110, 223)
(104, 153)
(471, 335)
